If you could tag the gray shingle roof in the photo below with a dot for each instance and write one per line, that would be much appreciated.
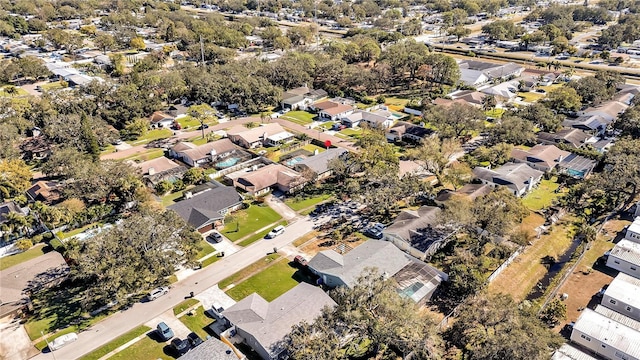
(269, 323)
(207, 206)
(512, 175)
(320, 163)
(211, 349)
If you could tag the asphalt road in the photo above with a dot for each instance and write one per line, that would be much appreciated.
(124, 321)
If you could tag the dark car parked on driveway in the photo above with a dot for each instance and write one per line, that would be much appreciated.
(194, 339)
(180, 347)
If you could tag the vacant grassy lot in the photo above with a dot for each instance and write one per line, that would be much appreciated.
(12, 260)
(249, 221)
(543, 196)
(269, 283)
(116, 343)
(299, 117)
(197, 322)
(145, 349)
(298, 204)
(522, 275)
(249, 270)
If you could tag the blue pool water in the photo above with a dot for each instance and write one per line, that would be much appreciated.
(397, 116)
(294, 161)
(228, 162)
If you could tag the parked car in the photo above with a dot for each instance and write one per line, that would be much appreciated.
(203, 126)
(194, 339)
(62, 340)
(278, 230)
(164, 331)
(215, 237)
(180, 347)
(302, 262)
(157, 292)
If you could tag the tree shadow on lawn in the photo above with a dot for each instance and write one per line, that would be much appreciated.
(166, 349)
(60, 305)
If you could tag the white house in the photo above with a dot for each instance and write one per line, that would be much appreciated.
(518, 178)
(633, 231)
(623, 296)
(605, 336)
(625, 257)
(472, 77)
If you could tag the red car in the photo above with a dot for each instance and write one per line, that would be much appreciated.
(300, 261)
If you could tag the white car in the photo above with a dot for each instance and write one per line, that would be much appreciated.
(157, 292)
(278, 230)
(62, 340)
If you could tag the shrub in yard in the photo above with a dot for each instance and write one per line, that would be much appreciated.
(24, 244)
(163, 187)
(37, 239)
(178, 185)
(47, 236)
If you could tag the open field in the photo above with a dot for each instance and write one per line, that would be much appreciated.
(269, 283)
(300, 204)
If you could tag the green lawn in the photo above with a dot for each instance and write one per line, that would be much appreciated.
(12, 260)
(19, 92)
(197, 322)
(269, 283)
(188, 122)
(249, 270)
(199, 140)
(543, 196)
(152, 135)
(326, 125)
(173, 197)
(251, 239)
(183, 306)
(299, 117)
(145, 349)
(250, 220)
(530, 96)
(116, 343)
(54, 85)
(351, 132)
(312, 148)
(210, 260)
(495, 113)
(299, 204)
(146, 156)
(206, 249)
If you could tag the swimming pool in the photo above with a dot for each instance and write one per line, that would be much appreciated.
(228, 162)
(294, 161)
(397, 116)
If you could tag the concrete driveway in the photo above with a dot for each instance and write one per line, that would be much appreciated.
(14, 342)
(179, 329)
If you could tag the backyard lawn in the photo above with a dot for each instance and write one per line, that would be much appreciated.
(298, 204)
(173, 197)
(312, 148)
(269, 283)
(197, 322)
(116, 343)
(299, 117)
(12, 260)
(249, 221)
(145, 349)
(543, 196)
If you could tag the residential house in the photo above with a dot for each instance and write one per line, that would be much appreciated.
(506, 90)
(319, 164)
(408, 132)
(300, 98)
(160, 169)
(608, 110)
(492, 71)
(623, 296)
(605, 337)
(410, 167)
(576, 166)
(601, 145)
(576, 138)
(265, 134)
(469, 191)
(207, 209)
(380, 119)
(6, 208)
(35, 148)
(212, 152)
(540, 157)
(331, 110)
(416, 279)
(593, 124)
(618, 317)
(471, 97)
(417, 233)
(262, 180)
(264, 325)
(470, 77)
(633, 231)
(625, 257)
(518, 178)
(47, 192)
(213, 349)
(160, 119)
(178, 110)
(570, 352)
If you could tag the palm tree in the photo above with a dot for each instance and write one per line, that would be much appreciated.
(489, 103)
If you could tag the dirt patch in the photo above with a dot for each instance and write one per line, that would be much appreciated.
(582, 288)
(323, 243)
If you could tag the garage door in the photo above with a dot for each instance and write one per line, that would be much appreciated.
(204, 229)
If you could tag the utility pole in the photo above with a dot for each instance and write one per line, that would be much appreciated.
(202, 49)
(47, 342)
